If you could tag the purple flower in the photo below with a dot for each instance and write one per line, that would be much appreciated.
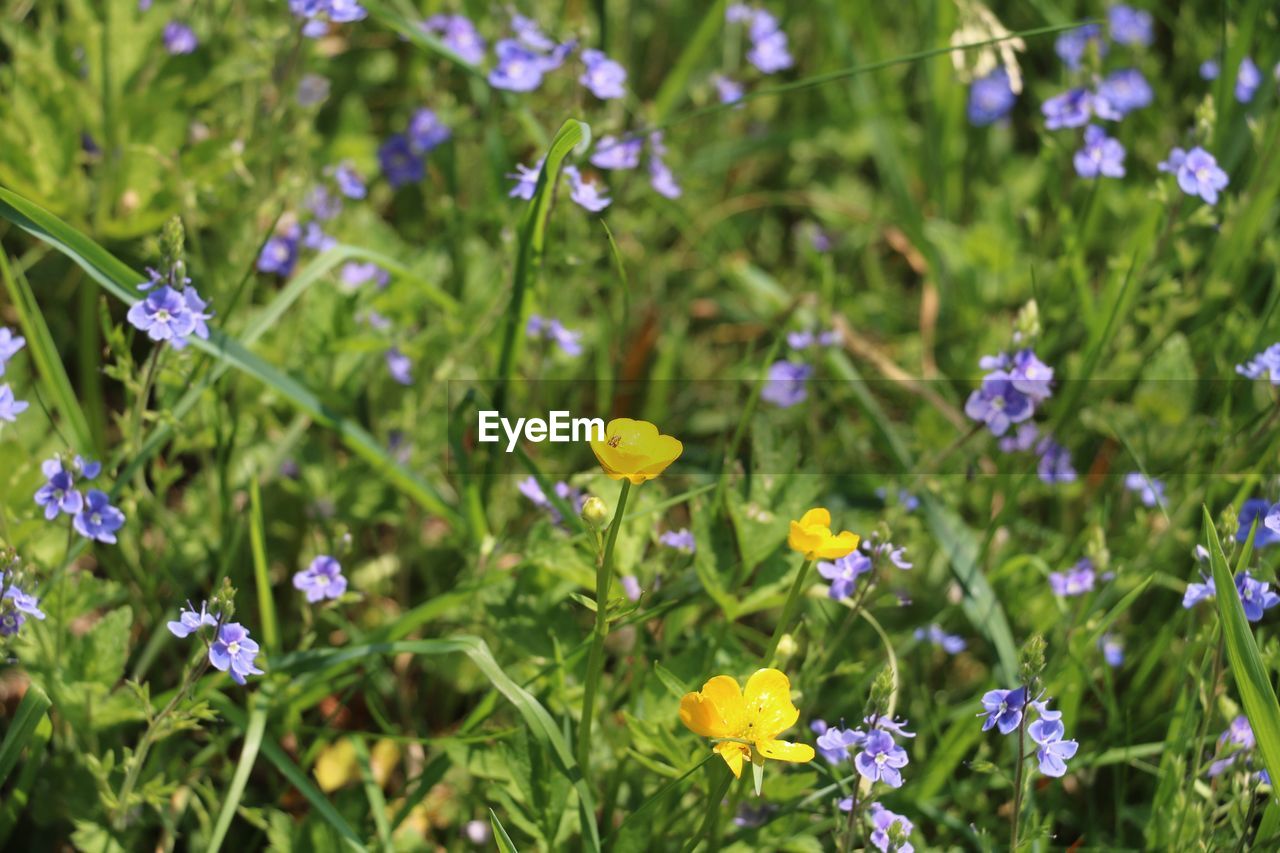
(843, 573)
(785, 386)
(1198, 592)
(1129, 25)
(1268, 529)
(881, 759)
(728, 91)
(895, 727)
(586, 194)
(1126, 90)
(1031, 376)
(349, 181)
(681, 540)
(1022, 439)
(613, 153)
(1076, 581)
(519, 69)
(314, 238)
(58, 495)
(87, 467)
(459, 35)
(322, 579)
(1112, 649)
(1003, 709)
(1075, 107)
(883, 822)
(990, 98)
(526, 179)
(998, 403)
(663, 180)
(196, 309)
(1149, 489)
(1101, 155)
(549, 328)
(1071, 45)
(98, 519)
(191, 620)
(950, 643)
(1255, 596)
(1054, 751)
(346, 11)
(835, 743)
(10, 344)
(1248, 79)
(605, 78)
(399, 366)
(179, 38)
(528, 31)
(323, 204)
(233, 650)
(1235, 742)
(280, 253)
(163, 314)
(358, 273)
(1265, 364)
(1197, 172)
(400, 163)
(631, 588)
(10, 407)
(1055, 462)
(1209, 69)
(426, 132)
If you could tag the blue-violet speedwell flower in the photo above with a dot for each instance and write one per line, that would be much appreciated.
(322, 579)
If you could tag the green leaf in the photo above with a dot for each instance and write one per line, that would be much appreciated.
(504, 842)
(1250, 673)
(248, 755)
(262, 580)
(120, 281)
(31, 711)
(373, 793)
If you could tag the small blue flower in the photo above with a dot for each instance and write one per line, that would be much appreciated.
(1075, 107)
(769, 50)
(549, 328)
(1130, 26)
(400, 163)
(58, 495)
(1149, 489)
(10, 344)
(1268, 518)
(588, 195)
(605, 78)
(1003, 709)
(785, 386)
(1126, 90)
(459, 34)
(1265, 364)
(990, 98)
(1078, 580)
(1071, 45)
(950, 643)
(881, 759)
(233, 650)
(1197, 172)
(1255, 596)
(834, 744)
(1055, 462)
(661, 178)
(728, 91)
(426, 132)
(844, 573)
(998, 403)
(1198, 592)
(10, 407)
(280, 253)
(1112, 650)
(323, 204)
(98, 520)
(621, 154)
(314, 238)
(883, 822)
(1209, 69)
(1248, 79)
(349, 181)
(359, 273)
(191, 620)
(526, 179)
(322, 579)
(519, 69)
(1101, 155)
(1054, 751)
(179, 38)
(163, 314)
(681, 540)
(399, 366)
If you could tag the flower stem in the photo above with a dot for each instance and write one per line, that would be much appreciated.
(144, 395)
(788, 612)
(595, 659)
(851, 828)
(1017, 775)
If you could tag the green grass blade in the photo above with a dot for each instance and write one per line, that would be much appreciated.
(500, 837)
(1250, 673)
(248, 756)
(119, 280)
(373, 793)
(677, 82)
(258, 543)
(31, 711)
(44, 353)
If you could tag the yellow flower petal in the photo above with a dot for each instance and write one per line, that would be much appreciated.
(835, 547)
(781, 750)
(769, 707)
(635, 450)
(734, 754)
(717, 710)
(817, 517)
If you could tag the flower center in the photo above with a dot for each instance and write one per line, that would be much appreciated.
(614, 440)
(233, 649)
(163, 315)
(1202, 175)
(881, 759)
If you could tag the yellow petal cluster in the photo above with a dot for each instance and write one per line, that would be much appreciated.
(812, 536)
(635, 450)
(748, 721)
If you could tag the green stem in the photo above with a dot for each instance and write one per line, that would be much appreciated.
(595, 660)
(788, 612)
(710, 829)
(1017, 776)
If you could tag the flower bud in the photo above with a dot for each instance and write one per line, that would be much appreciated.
(787, 646)
(595, 513)
(1032, 659)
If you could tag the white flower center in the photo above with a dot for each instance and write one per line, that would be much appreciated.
(233, 649)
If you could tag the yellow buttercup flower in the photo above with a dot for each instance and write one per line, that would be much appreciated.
(746, 725)
(635, 450)
(812, 536)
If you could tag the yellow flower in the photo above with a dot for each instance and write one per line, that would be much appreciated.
(743, 723)
(812, 536)
(635, 450)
